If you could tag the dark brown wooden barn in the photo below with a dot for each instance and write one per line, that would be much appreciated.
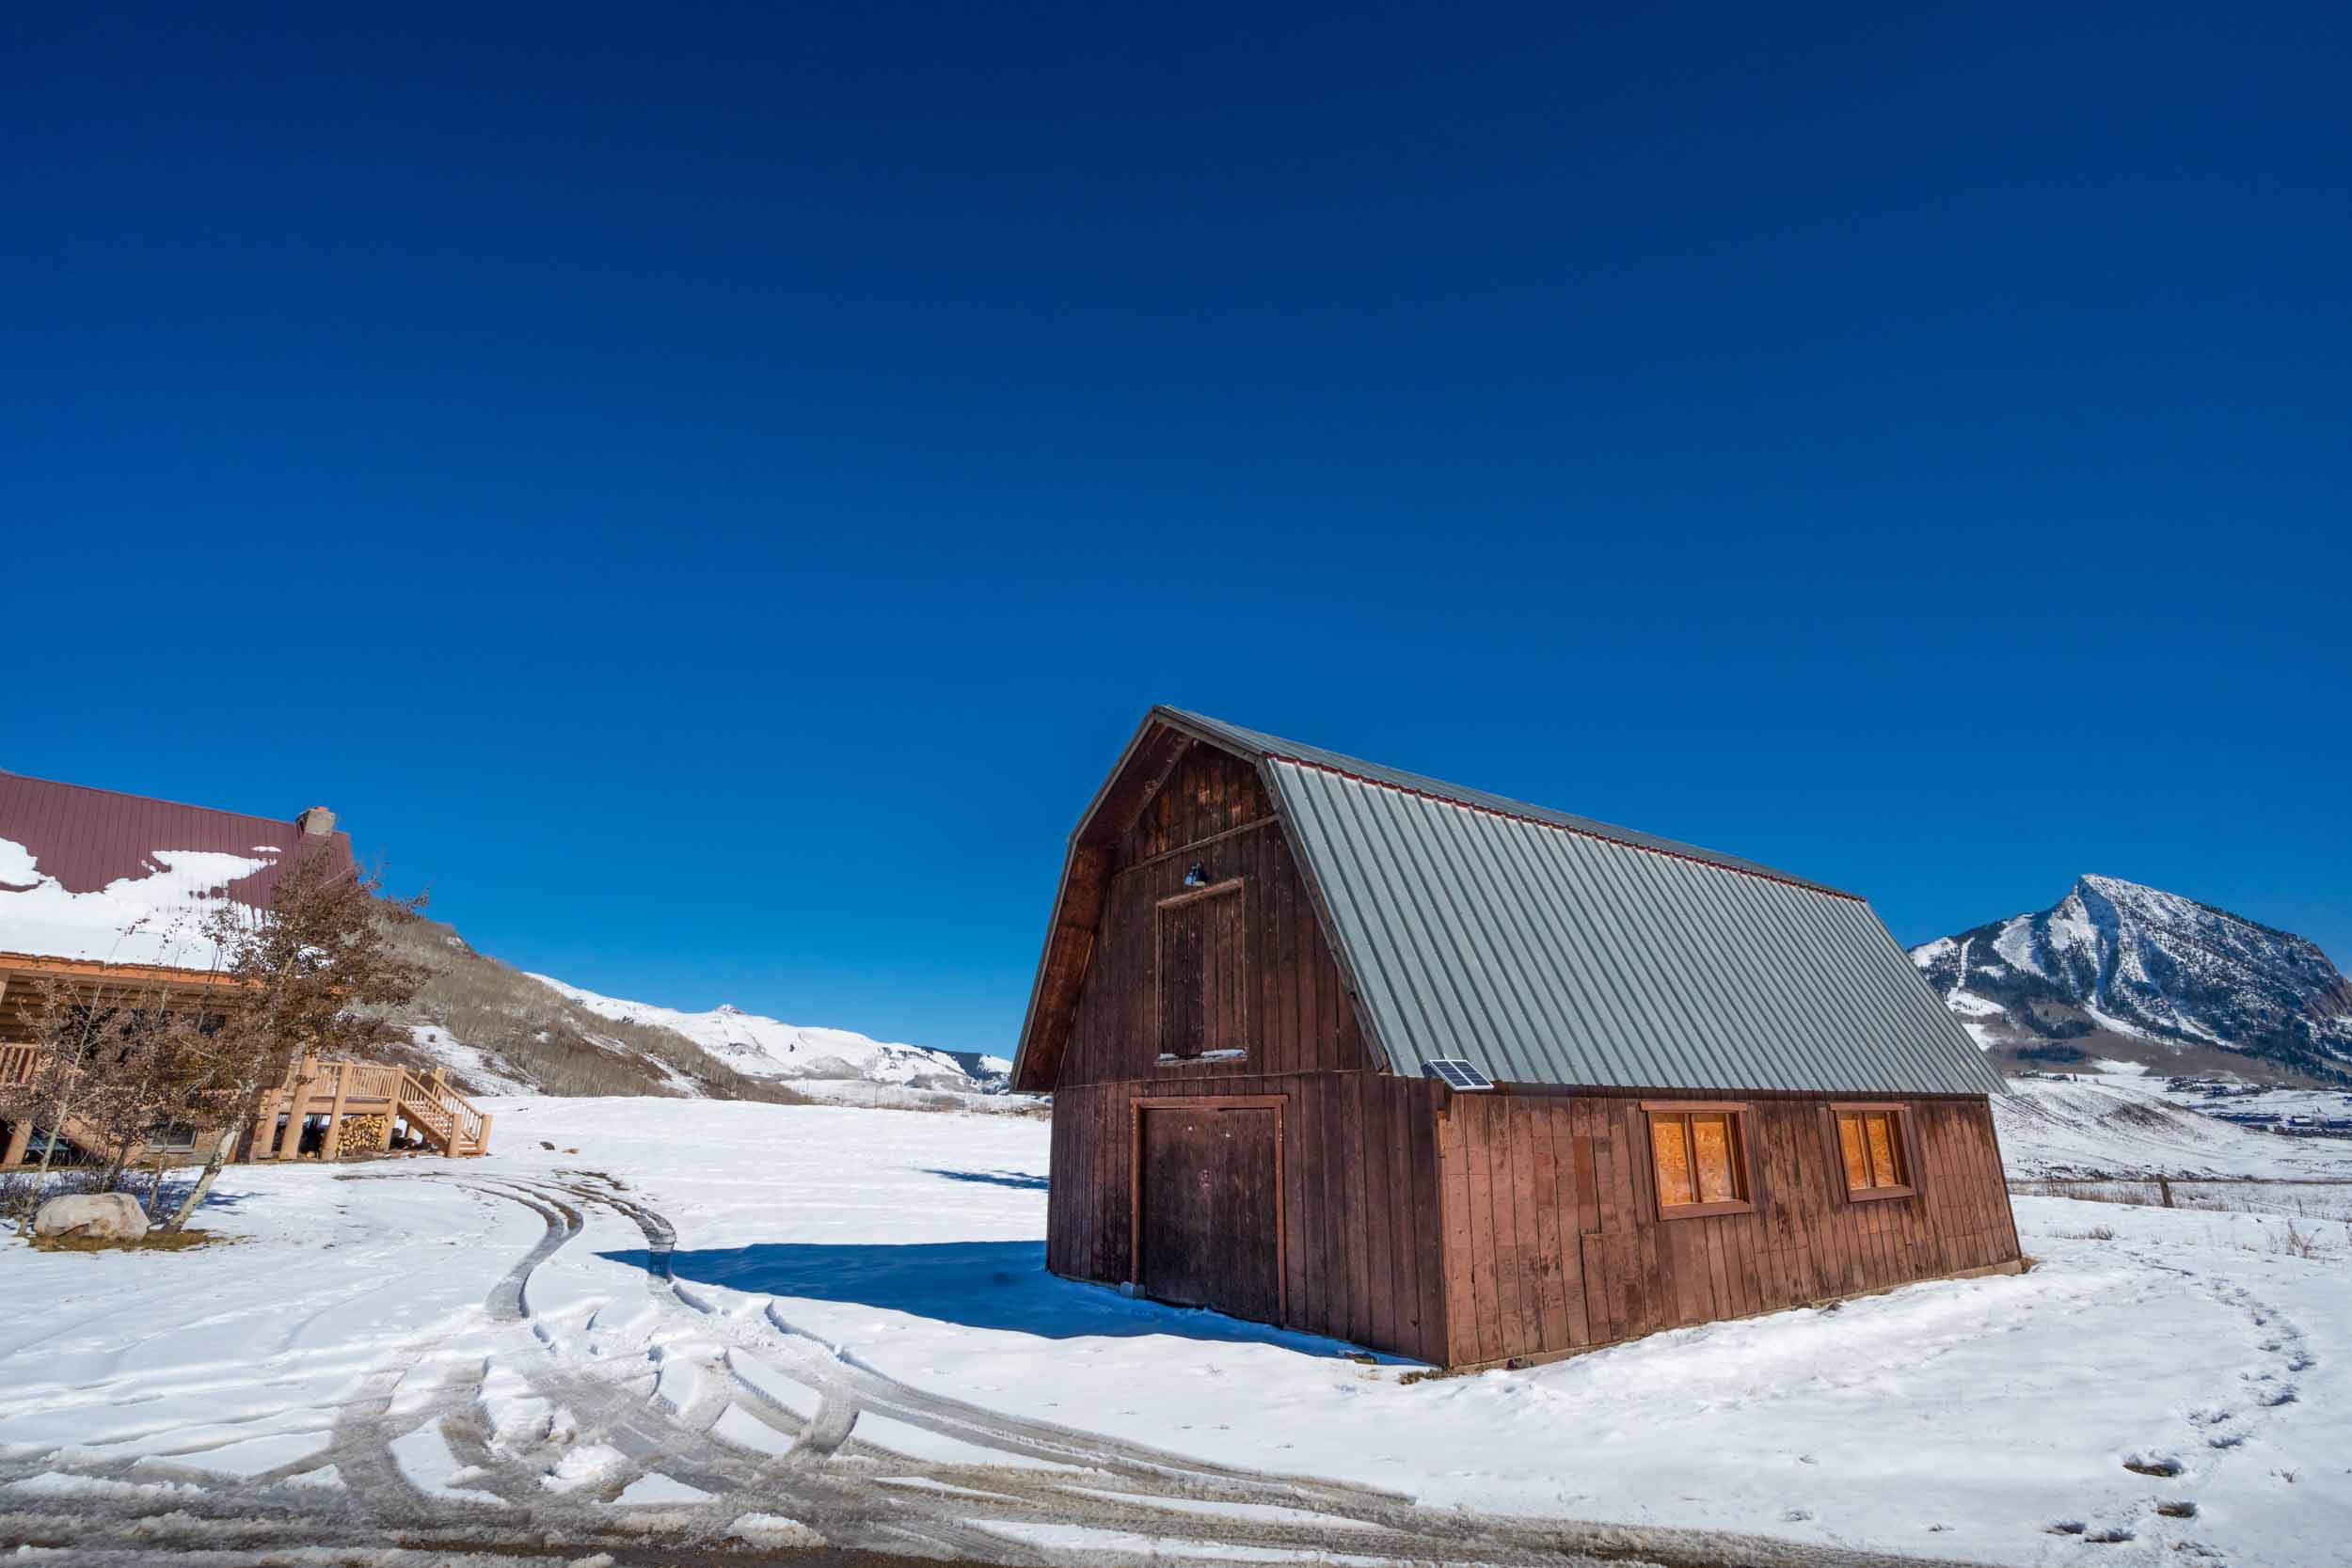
(1716, 1089)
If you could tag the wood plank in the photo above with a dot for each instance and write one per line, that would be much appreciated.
(1545, 1195)
(1687, 1249)
(1725, 1304)
(1338, 1297)
(1348, 1137)
(1569, 1204)
(1471, 1118)
(1530, 1177)
(1587, 1176)
(1362, 1099)
(1657, 1309)
(1302, 1285)
(1396, 1139)
(1453, 1197)
(1430, 1220)
(1511, 1291)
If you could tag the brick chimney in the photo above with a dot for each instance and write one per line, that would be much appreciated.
(317, 822)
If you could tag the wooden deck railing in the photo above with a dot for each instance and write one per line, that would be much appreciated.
(448, 1117)
(374, 1083)
(336, 1089)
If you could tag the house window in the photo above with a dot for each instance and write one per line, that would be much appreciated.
(1204, 1007)
(1870, 1147)
(1699, 1158)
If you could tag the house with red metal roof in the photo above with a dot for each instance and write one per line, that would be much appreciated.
(115, 896)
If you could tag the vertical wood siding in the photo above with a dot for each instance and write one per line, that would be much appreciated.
(1552, 1240)
(1456, 1228)
(1361, 1259)
(1297, 1015)
(1207, 792)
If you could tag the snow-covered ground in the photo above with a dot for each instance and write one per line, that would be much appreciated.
(2122, 1124)
(852, 1333)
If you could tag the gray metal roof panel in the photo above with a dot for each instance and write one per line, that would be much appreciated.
(1587, 956)
(1274, 746)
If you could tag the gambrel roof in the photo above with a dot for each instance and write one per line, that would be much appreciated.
(1543, 947)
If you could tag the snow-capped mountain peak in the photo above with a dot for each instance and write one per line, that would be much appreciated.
(2126, 962)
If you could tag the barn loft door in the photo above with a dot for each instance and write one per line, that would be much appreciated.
(1208, 1215)
(1202, 973)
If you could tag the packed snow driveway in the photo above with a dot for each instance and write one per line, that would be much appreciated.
(544, 1422)
(673, 1332)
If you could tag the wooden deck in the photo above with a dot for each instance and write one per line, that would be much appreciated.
(368, 1099)
(355, 1108)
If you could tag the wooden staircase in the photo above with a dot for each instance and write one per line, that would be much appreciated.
(447, 1120)
(370, 1096)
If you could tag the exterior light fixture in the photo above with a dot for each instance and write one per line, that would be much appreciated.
(1195, 877)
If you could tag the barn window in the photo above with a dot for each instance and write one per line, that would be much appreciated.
(1872, 1149)
(1698, 1158)
(1204, 1012)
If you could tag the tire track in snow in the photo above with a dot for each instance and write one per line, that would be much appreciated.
(859, 1491)
(1364, 1521)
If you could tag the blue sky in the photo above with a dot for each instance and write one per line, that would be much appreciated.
(711, 499)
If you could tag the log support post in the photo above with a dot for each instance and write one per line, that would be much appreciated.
(333, 1146)
(298, 1106)
(19, 1139)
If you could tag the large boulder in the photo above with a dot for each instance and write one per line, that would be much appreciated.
(92, 1218)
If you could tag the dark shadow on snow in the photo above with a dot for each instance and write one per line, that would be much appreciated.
(994, 1178)
(997, 1285)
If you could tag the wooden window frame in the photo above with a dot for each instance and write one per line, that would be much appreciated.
(1280, 1105)
(1906, 1149)
(1737, 1112)
(1222, 1058)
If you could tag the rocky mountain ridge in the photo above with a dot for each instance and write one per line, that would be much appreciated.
(2120, 970)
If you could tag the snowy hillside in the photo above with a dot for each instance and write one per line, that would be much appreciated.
(2116, 970)
(760, 1047)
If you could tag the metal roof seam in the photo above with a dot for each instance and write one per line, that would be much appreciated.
(1623, 842)
(1583, 1002)
(1471, 858)
(1790, 958)
(1559, 860)
(1352, 927)
(1396, 907)
(1499, 991)
(1726, 988)
(1708, 1037)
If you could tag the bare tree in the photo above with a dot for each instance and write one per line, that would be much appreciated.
(78, 1050)
(313, 972)
(149, 1081)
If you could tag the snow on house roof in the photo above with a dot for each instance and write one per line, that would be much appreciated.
(99, 876)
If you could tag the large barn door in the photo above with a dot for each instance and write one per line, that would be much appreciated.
(1208, 1204)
